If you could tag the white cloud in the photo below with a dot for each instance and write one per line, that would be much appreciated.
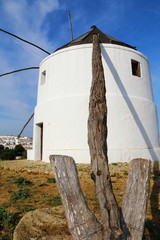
(46, 6)
(18, 91)
(27, 18)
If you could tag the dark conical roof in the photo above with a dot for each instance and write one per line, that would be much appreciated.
(87, 38)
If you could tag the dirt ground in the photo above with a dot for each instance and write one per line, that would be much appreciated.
(19, 197)
(39, 166)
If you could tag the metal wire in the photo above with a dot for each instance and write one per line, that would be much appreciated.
(25, 125)
(25, 41)
(19, 70)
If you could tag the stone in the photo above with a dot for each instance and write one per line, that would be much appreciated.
(43, 224)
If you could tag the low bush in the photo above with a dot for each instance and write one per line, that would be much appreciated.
(51, 180)
(21, 194)
(8, 222)
(19, 150)
(43, 184)
(1, 147)
(25, 208)
(153, 228)
(55, 201)
(11, 154)
(21, 181)
(115, 164)
(7, 154)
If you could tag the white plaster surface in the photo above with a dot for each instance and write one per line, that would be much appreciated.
(63, 99)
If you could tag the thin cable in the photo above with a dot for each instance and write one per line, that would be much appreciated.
(19, 70)
(25, 41)
(25, 125)
(38, 54)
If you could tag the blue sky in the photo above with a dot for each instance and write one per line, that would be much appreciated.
(45, 23)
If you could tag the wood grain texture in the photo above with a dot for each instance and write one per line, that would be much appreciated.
(97, 134)
(82, 223)
(135, 199)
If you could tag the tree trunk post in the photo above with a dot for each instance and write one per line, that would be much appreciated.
(97, 134)
(135, 199)
(81, 221)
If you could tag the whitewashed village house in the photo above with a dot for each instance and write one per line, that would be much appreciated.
(61, 114)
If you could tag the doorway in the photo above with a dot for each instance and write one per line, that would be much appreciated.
(40, 137)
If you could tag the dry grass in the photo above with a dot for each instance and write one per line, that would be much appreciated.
(43, 193)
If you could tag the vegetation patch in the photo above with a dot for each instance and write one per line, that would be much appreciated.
(21, 194)
(55, 201)
(8, 222)
(21, 181)
(51, 180)
(25, 208)
(7, 154)
(43, 184)
(10, 154)
(153, 229)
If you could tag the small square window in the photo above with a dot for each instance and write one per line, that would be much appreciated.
(43, 77)
(136, 69)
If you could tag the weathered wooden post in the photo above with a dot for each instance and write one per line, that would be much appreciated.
(135, 199)
(97, 135)
(82, 223)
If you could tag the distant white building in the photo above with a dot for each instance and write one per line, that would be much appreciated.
(11, 141)
(17, 141)
(61, 114)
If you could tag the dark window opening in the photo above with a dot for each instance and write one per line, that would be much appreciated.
(136, 70)
(43, 77)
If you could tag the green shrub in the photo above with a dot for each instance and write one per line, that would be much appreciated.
(51, 180)
(21, 181)
(10, 154)
(7, 237)
(1, 147)
(20, 151)
(153, 228)
(25, 208)
(115, 164)
(8, 220)
(125, 173)
(43, 184)
(20, 194)
(54, 201)
(7, 154)
(113, 175)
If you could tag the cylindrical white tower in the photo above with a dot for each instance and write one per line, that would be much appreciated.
(61, 114)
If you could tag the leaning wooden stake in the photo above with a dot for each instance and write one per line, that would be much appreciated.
(97, 134)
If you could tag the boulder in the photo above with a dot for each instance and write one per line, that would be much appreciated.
(43, 224)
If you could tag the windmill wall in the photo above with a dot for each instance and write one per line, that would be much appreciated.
(60, 122)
